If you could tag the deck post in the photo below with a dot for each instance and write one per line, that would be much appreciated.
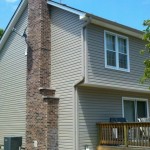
(99, 134)
(125, 135)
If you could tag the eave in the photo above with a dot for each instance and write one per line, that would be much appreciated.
(115, 26)
(82, 15)
(119, 88)
(13, 22)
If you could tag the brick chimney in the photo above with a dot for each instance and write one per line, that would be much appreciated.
(41, 105)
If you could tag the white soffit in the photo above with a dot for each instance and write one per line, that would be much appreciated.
(82, 15)
(13, 22)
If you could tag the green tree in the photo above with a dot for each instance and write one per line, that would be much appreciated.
(1, 32)
(146, 52)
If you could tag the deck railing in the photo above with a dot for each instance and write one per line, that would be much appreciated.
(127, 134)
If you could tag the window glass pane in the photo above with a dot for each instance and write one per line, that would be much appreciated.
(111, 58)
(110, 42)
(129, 110)
(141, 109)
(123, 61)
(122, 45)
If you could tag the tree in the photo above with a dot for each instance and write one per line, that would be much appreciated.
(146, 52)
(1, 32)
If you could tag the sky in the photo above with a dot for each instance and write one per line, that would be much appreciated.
(127, 12)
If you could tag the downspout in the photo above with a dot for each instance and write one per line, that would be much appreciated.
(84, 47)
(82, 80)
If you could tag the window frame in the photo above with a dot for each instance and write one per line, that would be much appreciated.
(135, 100)
(117, 51)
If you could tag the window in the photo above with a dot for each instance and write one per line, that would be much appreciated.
(134, 108)
(116, 52)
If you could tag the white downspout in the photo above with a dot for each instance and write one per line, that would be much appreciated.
(76, 128)
(84, 47)
(82, 80)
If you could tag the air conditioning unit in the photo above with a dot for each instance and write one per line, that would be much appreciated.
(12, 143)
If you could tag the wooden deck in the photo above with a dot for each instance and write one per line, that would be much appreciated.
(124, 135)
(121, 148)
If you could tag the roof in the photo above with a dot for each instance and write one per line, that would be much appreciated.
(82, 15)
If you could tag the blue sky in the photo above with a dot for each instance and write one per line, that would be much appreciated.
(7, 8)
(127, 12)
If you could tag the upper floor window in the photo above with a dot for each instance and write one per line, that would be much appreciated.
(116, 51)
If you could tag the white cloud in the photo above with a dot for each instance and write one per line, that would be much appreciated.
(11, 1)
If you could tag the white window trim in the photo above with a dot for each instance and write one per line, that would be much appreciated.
(135, 99)
(116, 43)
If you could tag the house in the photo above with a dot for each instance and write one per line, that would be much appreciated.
(68, 72)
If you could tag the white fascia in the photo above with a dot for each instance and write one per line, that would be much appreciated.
(13, 23)
(82, 15)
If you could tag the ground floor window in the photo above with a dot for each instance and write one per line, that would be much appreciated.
(134, 108)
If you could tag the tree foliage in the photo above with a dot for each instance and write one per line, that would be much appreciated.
(146, 52)
(1, 32)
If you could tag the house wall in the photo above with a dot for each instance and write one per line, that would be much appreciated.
(99, 75)
(65, 69)
(99, 105)
(13, 83)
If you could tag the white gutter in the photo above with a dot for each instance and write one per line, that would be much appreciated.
(13, 22)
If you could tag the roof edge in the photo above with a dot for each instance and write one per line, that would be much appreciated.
(116, 26)
(13, 22)
(82, 15)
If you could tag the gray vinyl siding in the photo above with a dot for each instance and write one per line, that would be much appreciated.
(98, 74)
(98, 105)
(13, 84)
(66, 69)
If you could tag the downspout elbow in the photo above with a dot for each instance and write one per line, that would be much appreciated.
(80, 81)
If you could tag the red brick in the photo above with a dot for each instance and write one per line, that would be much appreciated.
(42, 114)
